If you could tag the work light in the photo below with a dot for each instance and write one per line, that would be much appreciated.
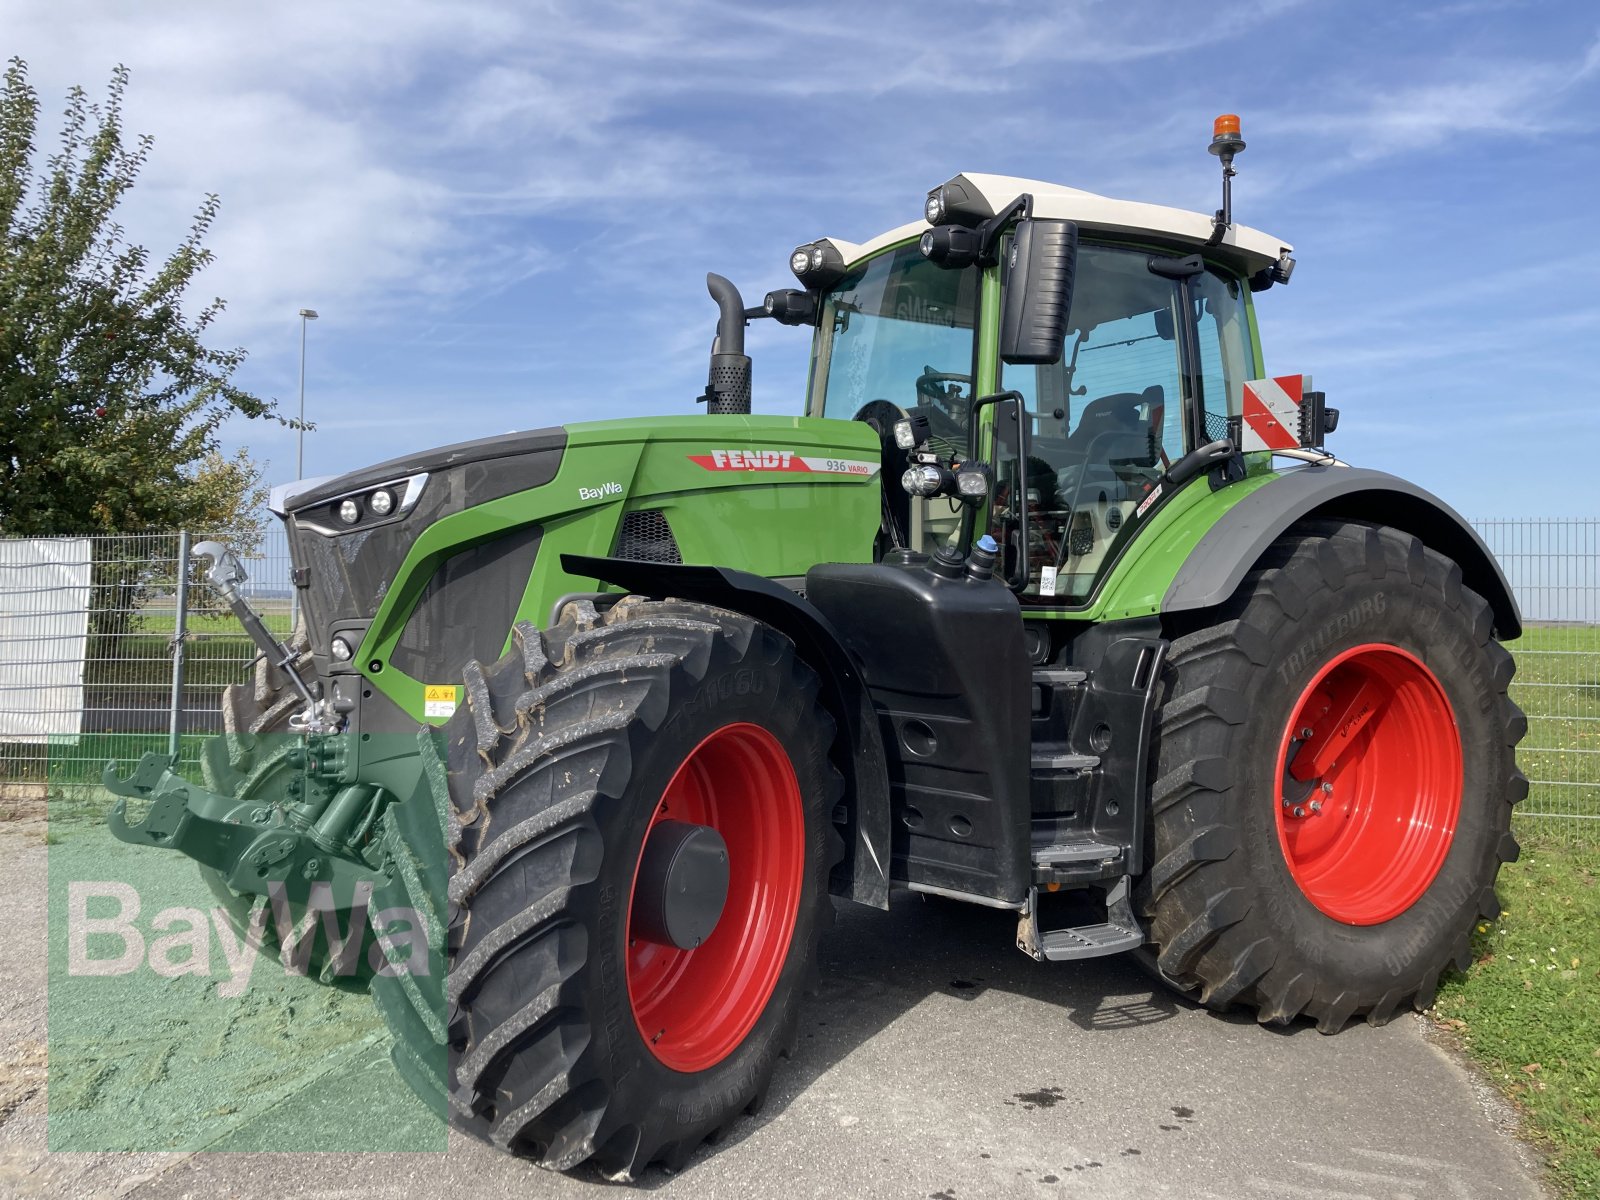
(381, 502)
(951, 246)
(925, 479)
(349, 512)
(972, 480)
(342, 649)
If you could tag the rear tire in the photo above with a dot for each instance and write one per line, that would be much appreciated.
(1353, 908)
(554, 771)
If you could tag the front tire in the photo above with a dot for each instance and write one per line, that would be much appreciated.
(1335, 773)
(571, 1030)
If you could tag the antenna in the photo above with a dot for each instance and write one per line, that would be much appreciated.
(1225, 143)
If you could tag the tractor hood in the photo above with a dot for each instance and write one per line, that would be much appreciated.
(344, 568)
(288, 497)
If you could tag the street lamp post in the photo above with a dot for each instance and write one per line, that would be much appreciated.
(306, 314)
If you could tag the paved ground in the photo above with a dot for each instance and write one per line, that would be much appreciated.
(937, 1062)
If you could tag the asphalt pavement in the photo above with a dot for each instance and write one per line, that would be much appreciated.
(937, 1061)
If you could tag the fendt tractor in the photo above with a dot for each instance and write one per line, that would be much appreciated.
(1052, 601)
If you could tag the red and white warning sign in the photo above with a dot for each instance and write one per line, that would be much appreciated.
(1272, 412)
(786, 461)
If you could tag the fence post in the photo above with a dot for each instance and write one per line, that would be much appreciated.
(179, 627)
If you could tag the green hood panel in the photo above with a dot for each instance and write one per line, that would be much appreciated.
(770, 495)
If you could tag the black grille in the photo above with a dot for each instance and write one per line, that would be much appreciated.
(646, 536)
(467, 608)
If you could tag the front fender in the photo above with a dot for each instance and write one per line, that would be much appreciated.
(1231, 548)
(863, 876)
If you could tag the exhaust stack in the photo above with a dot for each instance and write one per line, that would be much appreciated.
(728, 384)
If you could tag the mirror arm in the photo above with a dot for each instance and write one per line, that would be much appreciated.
(989, 232)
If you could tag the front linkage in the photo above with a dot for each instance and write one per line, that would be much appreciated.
(315, 841)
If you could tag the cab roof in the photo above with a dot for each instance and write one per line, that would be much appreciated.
(1248, 249)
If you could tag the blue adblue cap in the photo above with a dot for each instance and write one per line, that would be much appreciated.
(988, 543)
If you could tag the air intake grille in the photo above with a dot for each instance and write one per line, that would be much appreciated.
(646, 536)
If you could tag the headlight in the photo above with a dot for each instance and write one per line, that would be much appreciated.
(957, 202)
(951, 246)
(342, 650)
(818, 265)
(904, 436)
(925, 479)
(349, 512)
(381, 502)
(972, 481)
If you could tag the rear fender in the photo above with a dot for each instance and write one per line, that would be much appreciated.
(1230, 549)
(863, 876)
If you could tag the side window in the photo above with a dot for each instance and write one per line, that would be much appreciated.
(1107, 420)
(1225, 359)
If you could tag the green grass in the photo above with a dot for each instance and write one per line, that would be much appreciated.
(1528, 1010)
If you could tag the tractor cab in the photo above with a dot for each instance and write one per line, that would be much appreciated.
(1154, 347)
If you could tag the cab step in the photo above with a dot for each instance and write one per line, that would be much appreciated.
(1050, 763)
(1076, 850)
(1088, 941)
(1117, 933)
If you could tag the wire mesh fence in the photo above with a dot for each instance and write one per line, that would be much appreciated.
(88, 625)
(1554, 568)
(88, 635)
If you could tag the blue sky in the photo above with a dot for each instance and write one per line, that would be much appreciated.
(504, 213)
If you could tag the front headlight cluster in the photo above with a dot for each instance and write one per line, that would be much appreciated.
(357, 510)
(818, 265)
(380, 503)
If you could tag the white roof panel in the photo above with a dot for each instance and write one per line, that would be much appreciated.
(1249, 248)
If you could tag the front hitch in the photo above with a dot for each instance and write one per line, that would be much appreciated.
(256, 847)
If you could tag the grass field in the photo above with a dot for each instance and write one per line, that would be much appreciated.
(1528, 1010)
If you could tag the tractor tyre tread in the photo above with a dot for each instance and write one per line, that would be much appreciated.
(527, 779)
(1218, 933)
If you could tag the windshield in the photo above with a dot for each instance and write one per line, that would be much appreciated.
(898, 329)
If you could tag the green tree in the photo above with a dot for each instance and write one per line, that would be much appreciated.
(110, 400)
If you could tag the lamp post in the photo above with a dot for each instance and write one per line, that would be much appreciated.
(306, 314)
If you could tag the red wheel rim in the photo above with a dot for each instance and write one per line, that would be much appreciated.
(1369, 784)
(694, 1007)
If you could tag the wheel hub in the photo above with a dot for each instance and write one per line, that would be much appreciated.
(715, 897)
(682, 885)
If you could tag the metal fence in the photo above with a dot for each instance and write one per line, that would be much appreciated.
(1554, 568)
(90, 663)
(88, 650)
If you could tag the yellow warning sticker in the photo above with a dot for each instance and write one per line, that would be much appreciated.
(439, 700)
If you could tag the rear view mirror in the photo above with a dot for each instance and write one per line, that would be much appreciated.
(1039, 270)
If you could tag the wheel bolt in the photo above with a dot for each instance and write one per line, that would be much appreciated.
(1327, 789)
(1316, 806)
(1305, 733)
(1298, 811)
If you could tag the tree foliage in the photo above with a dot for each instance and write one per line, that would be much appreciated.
(110, 400)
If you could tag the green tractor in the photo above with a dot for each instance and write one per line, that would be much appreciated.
(1051, 601)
